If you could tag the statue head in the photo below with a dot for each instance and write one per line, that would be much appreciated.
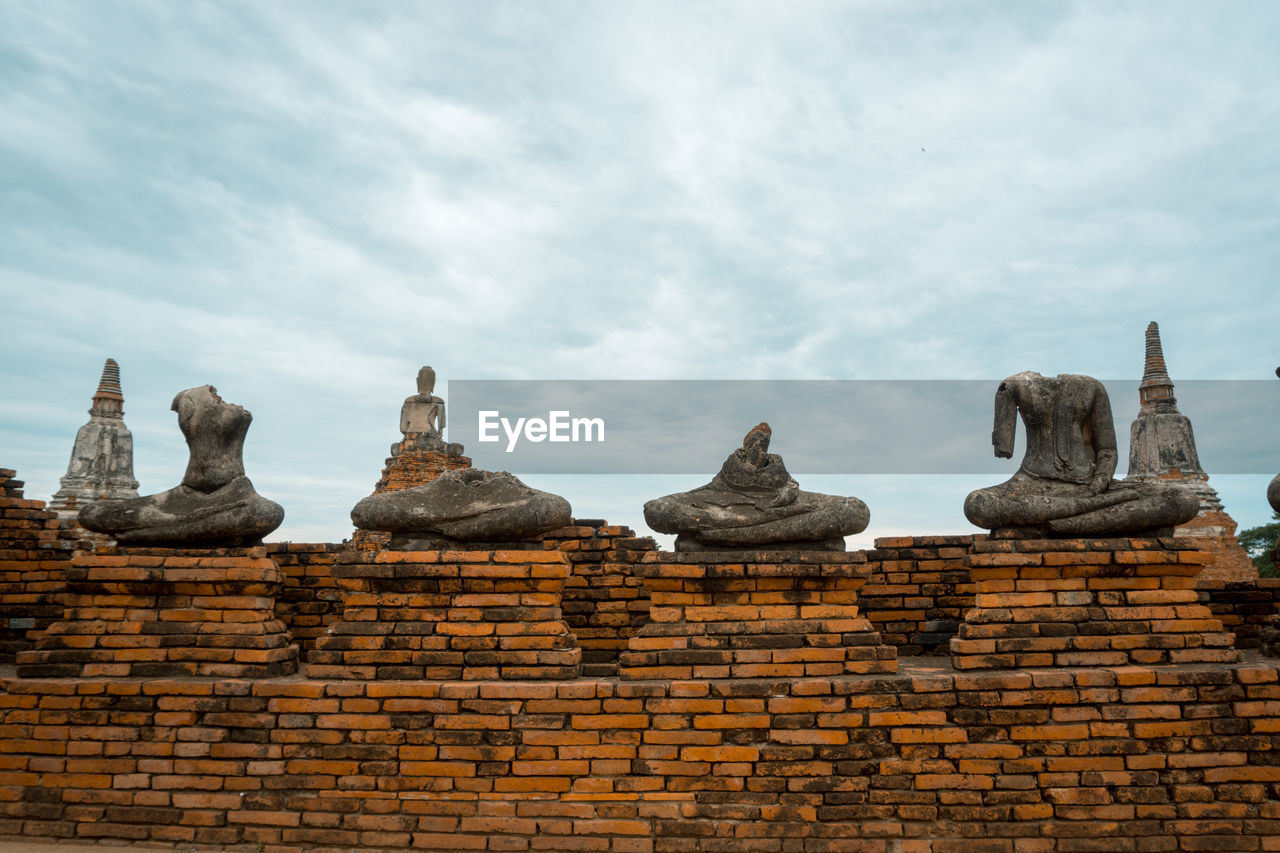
(426, 381)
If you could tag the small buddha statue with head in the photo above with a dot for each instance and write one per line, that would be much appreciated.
(422, 419)
(754, 503)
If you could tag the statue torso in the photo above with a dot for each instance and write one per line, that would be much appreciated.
(1056, 412)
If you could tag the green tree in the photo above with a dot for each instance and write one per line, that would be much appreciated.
(1257, 542)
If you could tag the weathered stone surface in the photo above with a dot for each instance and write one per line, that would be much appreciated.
(1064, 485)
(101, 466)
(466, 505)
(215, 505)
(752, 503)
(1161, 439)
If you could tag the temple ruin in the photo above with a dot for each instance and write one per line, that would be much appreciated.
(1162, 449)
(101, 466)
(469, 680)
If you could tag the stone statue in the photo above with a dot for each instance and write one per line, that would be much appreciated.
(753, 503)
(422, 419)
(465, 505)
(215, 505)
(1064, 485)
(1273, 491)
(423, 412)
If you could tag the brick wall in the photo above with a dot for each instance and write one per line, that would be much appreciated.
(1245, 608)
(310, 598)
(473, 615)
(35, 551)
(166, 612)
(1214, 532)
(928, 761)
(411, 468)
(605, 602)
(918, 591)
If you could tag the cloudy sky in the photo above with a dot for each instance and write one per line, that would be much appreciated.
(301, 203)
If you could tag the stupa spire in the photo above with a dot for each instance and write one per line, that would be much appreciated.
(1156, 390)
(108, 402)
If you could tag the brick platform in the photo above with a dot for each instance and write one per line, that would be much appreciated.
(1214, 532)
(410, 468)
(918, 591)
(605, 603)
(35, 550)
(309, 600)
(163, 612)
(457, 615)
(1245, 607)
(1087, 602)
(765, 614)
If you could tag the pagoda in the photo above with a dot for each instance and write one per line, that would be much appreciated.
(101, 466)
(1162, 449)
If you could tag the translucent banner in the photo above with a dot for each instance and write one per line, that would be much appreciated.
(819, 426)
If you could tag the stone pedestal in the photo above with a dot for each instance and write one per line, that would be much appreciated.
(449, 615)
(165, 612)
(1087, 602)
(761, 614)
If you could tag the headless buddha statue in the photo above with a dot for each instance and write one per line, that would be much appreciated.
(464, 506)
(215, 505)
(1273, 490)
(1064, 485)
(754, 503)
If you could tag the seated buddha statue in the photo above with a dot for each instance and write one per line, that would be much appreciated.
(215, 505)
(465, 505)
(1273, 490)
(422, 420)
(754, 503)
(1064, 485)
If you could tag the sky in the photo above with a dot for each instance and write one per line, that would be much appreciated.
(302, 203)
